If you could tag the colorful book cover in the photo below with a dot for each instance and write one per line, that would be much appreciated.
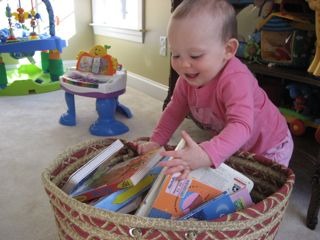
(241, 199)
(224, 178)
(122, 175)
(212, 209)
(131, 206)
(221, 205)
(119, 199)
(178, 197)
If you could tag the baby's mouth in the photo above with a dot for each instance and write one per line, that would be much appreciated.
(191, 75)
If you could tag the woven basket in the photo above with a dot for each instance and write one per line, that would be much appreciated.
(77, 221)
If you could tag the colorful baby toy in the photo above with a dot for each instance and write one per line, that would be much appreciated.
(97, 75)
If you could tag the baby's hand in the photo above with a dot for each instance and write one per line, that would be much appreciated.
(146, 147)
(191, 157)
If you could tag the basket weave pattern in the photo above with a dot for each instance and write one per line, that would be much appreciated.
(77, 221)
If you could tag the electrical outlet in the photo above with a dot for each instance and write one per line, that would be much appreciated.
(163, 46)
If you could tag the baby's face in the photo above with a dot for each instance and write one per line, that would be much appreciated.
(198, 53)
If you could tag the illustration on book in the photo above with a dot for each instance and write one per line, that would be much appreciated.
(178, 197)
(221, 205)
(224, 178)
(125, 199)
(212, 209)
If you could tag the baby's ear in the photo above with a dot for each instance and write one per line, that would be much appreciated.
(231, 48)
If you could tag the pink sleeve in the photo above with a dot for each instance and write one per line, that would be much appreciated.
(238, 102)
(172, 116)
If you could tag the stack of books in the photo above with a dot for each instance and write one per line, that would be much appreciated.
(140, 187)
(115, 187)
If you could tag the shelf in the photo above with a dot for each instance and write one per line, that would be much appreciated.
(285, 73)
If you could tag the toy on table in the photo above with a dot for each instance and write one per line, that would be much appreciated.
(22, 82)
(97, 75)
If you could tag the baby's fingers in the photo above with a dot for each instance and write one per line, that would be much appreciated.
(174, 170)
(184, 174)
(173, 163)
(146, 147)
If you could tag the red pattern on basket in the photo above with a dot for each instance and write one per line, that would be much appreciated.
(62, 218)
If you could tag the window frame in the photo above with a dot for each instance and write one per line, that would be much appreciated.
(135, 34)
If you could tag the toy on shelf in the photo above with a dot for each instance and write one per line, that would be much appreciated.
(97, 75)
(305, 110)
(25, 80)
(276, 32)
(314, 67)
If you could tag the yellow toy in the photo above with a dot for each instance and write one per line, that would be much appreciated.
(97, 61)
(314, 67)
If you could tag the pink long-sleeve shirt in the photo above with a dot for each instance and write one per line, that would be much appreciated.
(233, 107)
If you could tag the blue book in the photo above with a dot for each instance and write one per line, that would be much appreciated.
(212, 209)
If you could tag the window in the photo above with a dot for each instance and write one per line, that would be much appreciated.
(119, 18)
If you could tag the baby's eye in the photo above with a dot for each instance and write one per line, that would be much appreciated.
(175, 56)
(195, 56)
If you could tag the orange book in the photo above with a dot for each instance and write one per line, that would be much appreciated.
(177, 198)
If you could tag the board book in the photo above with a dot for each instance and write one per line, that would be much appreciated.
(146, 204)
(241, 199)
(124, 197)
(122, 175)
(87, 169)
(214, 208)
(224, 178)
(178, 197)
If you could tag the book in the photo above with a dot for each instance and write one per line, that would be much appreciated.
(145, 206)
(122, 175)
(122, 198)
(241, 199)
(131, 206)
(88, 168)
(224, 178)
(178, 197)
(212, 209)
(223, 204)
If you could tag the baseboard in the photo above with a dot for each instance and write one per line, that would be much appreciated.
(148, 86)
(68, 64)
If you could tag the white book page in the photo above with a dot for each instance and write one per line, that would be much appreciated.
(223, 178)
(91, 165)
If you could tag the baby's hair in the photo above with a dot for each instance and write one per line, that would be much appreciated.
(221, 10)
